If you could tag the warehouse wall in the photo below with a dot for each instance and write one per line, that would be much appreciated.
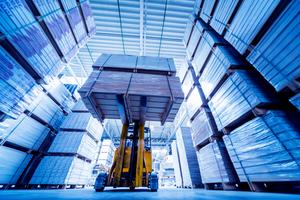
(242, 78)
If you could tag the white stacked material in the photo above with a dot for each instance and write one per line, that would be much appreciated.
(195, 36)
(200, 128)
(62, 170)
(106, 153)
(206, 10)
(247, 22)
(194, 101)
(17, 88)
(213, 167)
(79, 107)
(22, 30)
(182, 118)
(239, 94)
(83, 122)
(75, 143)
(208, 40)
(188, 158)
(222, 14)
(47, 110)
(12, 164)
(27, 132)
(189, 81)
(295, 100)
(88, 16)
(176, 164)
(222, 59)
(276, 56)
(266, 149)
(58, 27)
(76, 21)
(197, 5)
(61, 94)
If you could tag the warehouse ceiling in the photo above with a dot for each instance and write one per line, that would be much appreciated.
(135, 27)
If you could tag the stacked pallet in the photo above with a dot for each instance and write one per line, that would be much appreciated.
(188, 159)
(12, 164)
(295, 100)
(214, 167)
(46, 110)
(75, 147)
(26, 132)
(241, 100)
(142, 86)
(60, 170)
(75, 20)
(249, 19)
(276, 56)
(36, 38)
(176, 164)
(55, 22)
(27, 38)
(60, 94)
(106, 154)
(266, 148)
(73, 90)
(18, 88)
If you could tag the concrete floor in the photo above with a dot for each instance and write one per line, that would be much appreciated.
(165, 194)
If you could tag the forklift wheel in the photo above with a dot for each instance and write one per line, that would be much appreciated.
(131, 188)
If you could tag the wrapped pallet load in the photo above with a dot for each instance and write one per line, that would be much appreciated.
(130, 81)
(28, 38)
(188, 159)
(266, 149)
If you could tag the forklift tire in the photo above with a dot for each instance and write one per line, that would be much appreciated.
(131, 188)
(100, 182)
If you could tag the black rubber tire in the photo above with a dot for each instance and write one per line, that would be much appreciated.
(100, 190)
(131, 188)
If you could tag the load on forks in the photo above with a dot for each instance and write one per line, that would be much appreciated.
(134, 89)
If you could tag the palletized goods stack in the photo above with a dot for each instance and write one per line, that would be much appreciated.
(176, 164)
(188, 159)
(73, 150)
(132, 80)
(248, 62)
(36, 42)
(106, 154)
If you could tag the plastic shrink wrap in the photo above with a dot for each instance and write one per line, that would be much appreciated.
(206, 10)
(12, 164)
(27, 132)
(176, 164)
(194, 101)
(222, 14)
(79, 107)
(83, 122)
(17, 88)
(188, 158)
(196, 35)
(75, 20)
(222, 59)
(88, 16)
(200, 128)
(21, 29)
(48, 111)
(57, 24)
(276, 56)
(213, 168)
(247, 22)
(61, 94)
(239, 94)
(266, 149)
(188, 82)
(106, 153)
(207, 42)
(74, 142)
(62, 170)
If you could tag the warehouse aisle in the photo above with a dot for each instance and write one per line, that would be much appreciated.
(164, 194)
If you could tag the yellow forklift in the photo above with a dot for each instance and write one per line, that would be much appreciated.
(132, 165)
